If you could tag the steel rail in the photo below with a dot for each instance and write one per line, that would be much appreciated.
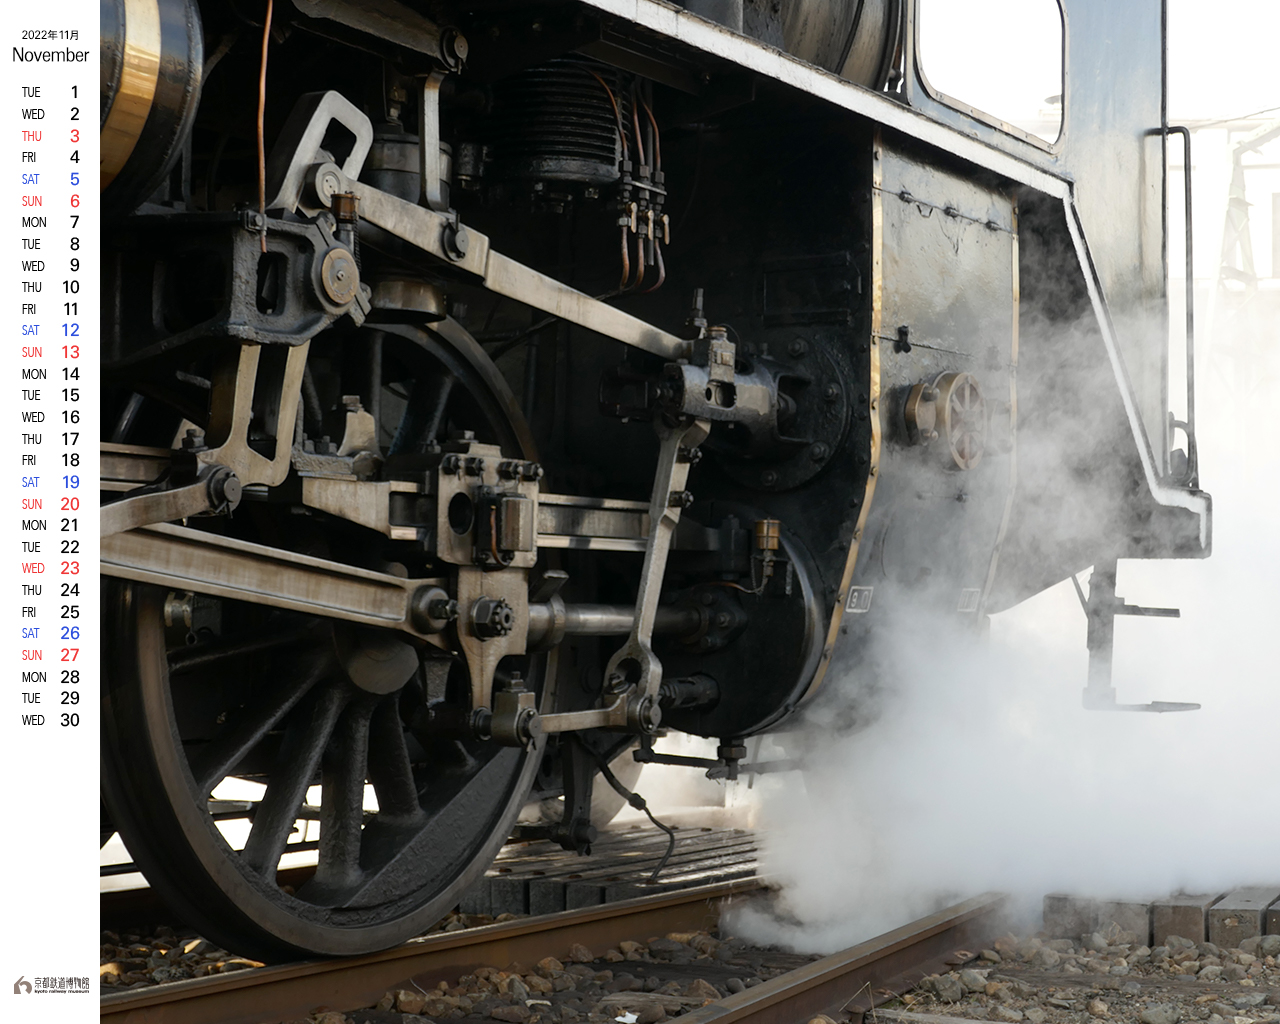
(851, 982)
(289, 991)
(844, 985)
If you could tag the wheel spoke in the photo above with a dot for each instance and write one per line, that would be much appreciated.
(219, 757)
(443, 803)
(390, 770)
(300, 754)
(424, 413)
(189, 658)
(342, 800)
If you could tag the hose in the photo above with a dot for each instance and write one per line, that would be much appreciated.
(638, 802)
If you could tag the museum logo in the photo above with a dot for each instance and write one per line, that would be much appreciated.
(57, 985)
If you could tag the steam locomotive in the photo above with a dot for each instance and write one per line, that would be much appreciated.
(491, 385)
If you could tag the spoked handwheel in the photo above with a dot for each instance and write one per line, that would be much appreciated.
(235, 735)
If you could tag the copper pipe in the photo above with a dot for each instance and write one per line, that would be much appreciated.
(639, 261)
(657, 138)
(626, 261)
(262, 147)
(617, 114)
(635, 123)
(493, 536)
(662, 267)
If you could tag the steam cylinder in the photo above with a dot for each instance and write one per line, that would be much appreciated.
(725, 12)
(152, 64)
(855, 39)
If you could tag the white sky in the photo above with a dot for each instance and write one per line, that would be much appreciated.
(1003, 56)
(1223, 58)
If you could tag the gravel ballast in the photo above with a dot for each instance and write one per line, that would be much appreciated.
(1107, 977)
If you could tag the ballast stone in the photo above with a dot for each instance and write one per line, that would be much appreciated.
(1160, 1013)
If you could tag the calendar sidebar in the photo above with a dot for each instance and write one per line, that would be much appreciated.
(49, 497)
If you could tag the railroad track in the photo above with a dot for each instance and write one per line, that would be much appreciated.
(847, 983)
(542, 878)
(850, 983)
(539, 877)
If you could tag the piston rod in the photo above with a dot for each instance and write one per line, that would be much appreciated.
(549, 623)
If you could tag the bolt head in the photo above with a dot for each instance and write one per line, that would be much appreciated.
(443, 608)
(453, 46)
(456, 242)
(818, 451)
(231, 491)
(338, 276)
(646, 714)
(797, 348)
(492, 618)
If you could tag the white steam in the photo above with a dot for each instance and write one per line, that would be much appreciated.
(982, 772)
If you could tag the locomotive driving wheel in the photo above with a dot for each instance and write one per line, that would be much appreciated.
(235, 735)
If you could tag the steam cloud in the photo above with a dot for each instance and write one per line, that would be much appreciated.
(982, 772)
(974, 768)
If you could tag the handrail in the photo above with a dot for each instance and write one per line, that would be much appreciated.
(1191, 477)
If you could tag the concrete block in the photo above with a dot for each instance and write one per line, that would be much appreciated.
(508, 894)
(1132, 916)
(476, 899)
(1069, 917)
(1240, 915)
(1273, 920)
(1182, 914)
